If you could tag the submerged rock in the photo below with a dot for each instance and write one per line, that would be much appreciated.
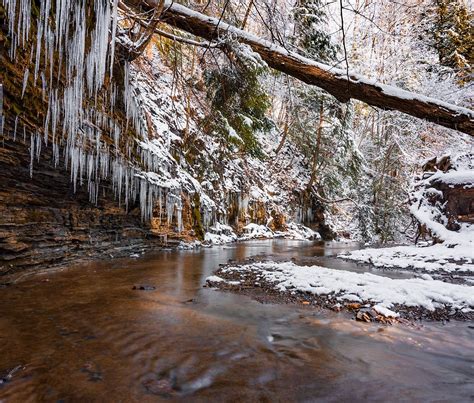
(7, 377)
(160, 387)
(144, 287)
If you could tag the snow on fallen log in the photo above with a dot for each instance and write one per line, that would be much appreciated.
(381, 292)
(341, 84)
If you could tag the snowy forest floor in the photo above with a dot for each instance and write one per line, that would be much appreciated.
(411, 283)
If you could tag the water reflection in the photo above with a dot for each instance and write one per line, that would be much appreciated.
(85, 335)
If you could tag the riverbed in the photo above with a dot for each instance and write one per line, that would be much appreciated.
(84, 334)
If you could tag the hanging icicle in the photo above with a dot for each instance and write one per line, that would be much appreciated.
(71, 66)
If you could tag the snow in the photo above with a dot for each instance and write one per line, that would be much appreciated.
(382, 292)
(160, 179)
(385, 311)
(190, 245)
(216, 239)
(463, 177)
(255, 231)
(251, 39)
(435, 258)
(220, 234)
(300, 232)
(244, 182)
(215, 279)
(150, 167)
(432, 214)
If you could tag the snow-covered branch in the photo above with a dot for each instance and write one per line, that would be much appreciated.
(335, 81)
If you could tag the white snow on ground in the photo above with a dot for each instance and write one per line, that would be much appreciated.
(299, 231)
(220, 234)
(215, 279)
(381, 291)
(255, 231)
(433, 258)
(428, 204)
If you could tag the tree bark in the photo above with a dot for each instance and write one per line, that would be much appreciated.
(315, 158)
(247, 13)
(335, 81)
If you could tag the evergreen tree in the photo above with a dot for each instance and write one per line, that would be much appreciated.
(322, 124)
(309, 19)
(453, 37)
(238, 101)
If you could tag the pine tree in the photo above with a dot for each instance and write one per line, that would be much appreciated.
(322, 127)
(238, 101)
(309, 19)
(453, 37)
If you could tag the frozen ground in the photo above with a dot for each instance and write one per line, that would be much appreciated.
(435, 258)
(448, 263)
(385, 295)
(220, 234)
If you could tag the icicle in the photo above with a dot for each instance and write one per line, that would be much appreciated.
(46, 124)
(72, 120)
(114, 34)
(16, 125)
(54, 107)
(32, 155)
(39, 37)
(38, 146)
(116, 137)
(127, 187)
(126, 91)
(25, 82)
(43, 86)
(179, 215)
(97, 58)
(143, 199)
(74, 157)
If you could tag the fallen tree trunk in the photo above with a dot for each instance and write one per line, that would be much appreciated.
(342, 85)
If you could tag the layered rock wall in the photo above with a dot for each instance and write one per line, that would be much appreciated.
(42, 221)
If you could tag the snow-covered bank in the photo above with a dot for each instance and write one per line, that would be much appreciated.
(435, 258)
(389, 297)
(441, 199)
(220, 234)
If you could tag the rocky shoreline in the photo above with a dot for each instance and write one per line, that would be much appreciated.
(249, 283)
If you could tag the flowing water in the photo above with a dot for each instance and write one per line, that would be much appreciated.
(84, 334)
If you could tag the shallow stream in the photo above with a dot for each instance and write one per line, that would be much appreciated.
(83, 334)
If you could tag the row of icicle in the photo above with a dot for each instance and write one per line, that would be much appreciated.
(79, 115)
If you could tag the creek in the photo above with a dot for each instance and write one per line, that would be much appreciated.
(84, 334)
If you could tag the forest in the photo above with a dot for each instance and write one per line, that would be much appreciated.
(274, 185)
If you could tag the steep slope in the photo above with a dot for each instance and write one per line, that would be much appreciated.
(100, 156)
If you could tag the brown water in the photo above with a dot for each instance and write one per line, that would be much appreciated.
(84, 335)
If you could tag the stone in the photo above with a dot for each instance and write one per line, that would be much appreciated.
(144, 287)
(43, 222)
(366, 315)
(160, 387)
(353, 306)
